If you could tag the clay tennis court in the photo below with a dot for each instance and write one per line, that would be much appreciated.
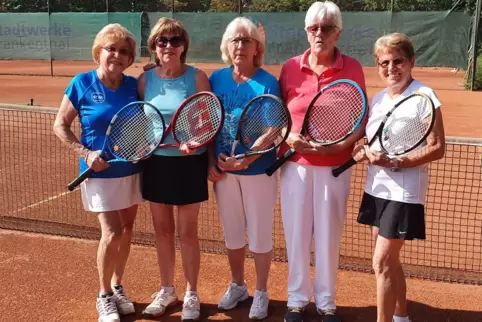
(34, 183)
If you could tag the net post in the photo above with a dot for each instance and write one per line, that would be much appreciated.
(50, 43)
(172, 5)
(475, 44)
(240, 7)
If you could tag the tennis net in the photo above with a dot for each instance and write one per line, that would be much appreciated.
(35, 168)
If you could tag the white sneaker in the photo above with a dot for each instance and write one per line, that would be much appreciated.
(191, 309)
(259, 308)
(124, 304)
(107, 309)
(233, 296)
(162, 300)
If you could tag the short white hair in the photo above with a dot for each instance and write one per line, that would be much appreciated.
(253, 31)
(321, 10)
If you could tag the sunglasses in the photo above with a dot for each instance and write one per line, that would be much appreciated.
(397, 62)
(122, 51)
(176, 41)
(324, 29)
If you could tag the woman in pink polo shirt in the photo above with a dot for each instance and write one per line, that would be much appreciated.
(313, 202)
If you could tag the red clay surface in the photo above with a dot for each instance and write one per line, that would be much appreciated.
(454, 226)
(46, 278)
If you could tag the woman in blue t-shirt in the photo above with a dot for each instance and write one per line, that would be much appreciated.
(245, 195)
(113, 192)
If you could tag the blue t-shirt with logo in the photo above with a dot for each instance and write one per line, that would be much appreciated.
(235, 97)
(96, 105)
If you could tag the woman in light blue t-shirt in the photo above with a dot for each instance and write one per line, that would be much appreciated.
(174, 176)
(245, 195)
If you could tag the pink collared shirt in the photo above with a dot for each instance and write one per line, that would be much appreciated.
(299, 84)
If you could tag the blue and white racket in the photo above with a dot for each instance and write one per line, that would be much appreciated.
(134, 133)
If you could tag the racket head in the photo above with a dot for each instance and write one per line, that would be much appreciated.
(264, 124)
(407, 124)
(198, 120)
(135, 131)
(335, 112)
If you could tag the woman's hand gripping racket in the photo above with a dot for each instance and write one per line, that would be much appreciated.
(333, 114)
(134, 133)
(263, 126)
(196, 122)
(402, 129)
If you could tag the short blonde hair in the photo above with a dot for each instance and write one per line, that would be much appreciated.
(253, 31)
(397, 41)
(115, 33)
(320, 10)
(168, 26)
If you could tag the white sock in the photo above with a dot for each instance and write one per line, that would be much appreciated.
(189, 293)
(400, 319)
(169, 289)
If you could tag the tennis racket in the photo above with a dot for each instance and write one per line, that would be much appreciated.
(333, 114)
(403, 128)
(134, 132)
(196, 122)
(263, 126)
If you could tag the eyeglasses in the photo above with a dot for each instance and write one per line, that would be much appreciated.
(243, 40)
(122, 51)
(397, 62)
(324, 29)
(176, 41)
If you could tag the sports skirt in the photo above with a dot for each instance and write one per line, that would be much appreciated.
(395, 220)
(175, 180)
(110, 194)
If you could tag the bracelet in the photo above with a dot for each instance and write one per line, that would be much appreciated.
(86, 156)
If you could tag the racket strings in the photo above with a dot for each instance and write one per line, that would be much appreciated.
(198, 121)
(135, 133)
(264, 125)
(335, 114)
(407, 125)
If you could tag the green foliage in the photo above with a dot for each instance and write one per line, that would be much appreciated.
(228, 5)
(274, 5)
(478, 76)
(224, 6)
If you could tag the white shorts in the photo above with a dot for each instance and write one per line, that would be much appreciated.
(247, 203)
(111, 194)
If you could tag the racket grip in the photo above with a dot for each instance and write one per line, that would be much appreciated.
(272, 169)
(87, 173)
(345, 166)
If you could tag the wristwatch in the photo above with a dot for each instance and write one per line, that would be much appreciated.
(395, 164)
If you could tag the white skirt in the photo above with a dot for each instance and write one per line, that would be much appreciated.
(111, 194)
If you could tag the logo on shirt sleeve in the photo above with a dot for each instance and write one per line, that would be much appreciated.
(98, 97)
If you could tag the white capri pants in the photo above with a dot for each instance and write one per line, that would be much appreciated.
(111, 194)
(247, 202)
(313, 204)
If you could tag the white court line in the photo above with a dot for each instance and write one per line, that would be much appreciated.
(42, 202)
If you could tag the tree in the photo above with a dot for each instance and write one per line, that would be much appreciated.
(274, 5)
(191, 5)
(224, 5)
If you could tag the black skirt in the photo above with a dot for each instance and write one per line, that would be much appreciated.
(395, 220)
(175, 180)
